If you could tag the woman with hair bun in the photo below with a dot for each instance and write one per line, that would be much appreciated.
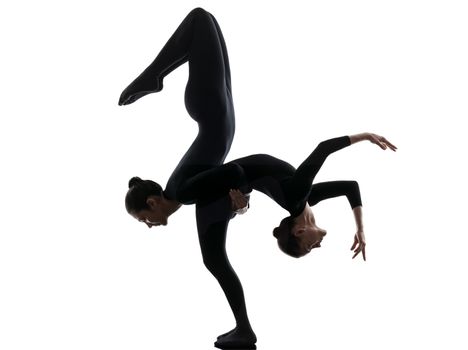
(208, 99)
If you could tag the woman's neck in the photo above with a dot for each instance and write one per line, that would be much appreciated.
(170, 206)
(306, 218)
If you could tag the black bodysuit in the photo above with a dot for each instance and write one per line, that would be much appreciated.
(208, 99)
(279, 180)
(200, 176)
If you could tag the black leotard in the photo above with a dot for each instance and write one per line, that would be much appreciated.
(208, 100)
(279, 180)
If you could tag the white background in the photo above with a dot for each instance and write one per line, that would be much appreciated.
(77, 272)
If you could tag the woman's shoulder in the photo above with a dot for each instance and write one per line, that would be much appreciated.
(261, 158)
(261, 164)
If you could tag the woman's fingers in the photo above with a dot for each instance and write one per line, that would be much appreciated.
(234, 199)
(355, 242)
(356, 252)
(387, 143)
(359, 245)
(377, 140)
(390, 145)
(361, 248)
(238, 199)
(235, 194)
(383, 143)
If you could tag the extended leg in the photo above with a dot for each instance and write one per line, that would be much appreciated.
(212, 237)
(208, 100)
(227, 68)
(195, 40)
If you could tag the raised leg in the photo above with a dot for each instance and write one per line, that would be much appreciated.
(195, 40)
(227, 67)
(208, 99)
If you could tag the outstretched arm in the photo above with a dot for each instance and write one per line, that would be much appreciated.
(301, 182)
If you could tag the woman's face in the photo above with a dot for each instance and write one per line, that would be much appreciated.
(151, 218)
(154, 216)
(309, 237)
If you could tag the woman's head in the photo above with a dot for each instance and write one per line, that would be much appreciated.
(145, 202)
(297, 240)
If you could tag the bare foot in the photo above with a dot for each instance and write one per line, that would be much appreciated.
(237, 339)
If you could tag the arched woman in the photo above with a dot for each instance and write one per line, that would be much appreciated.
(292, 189)
(208, 100)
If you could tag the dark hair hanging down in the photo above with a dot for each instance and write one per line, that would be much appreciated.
(138, 191)
(286, 241)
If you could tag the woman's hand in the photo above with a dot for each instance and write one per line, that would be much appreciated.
(239, 201)
(380, 141)
(359, 244)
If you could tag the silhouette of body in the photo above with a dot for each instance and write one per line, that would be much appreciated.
(208, 100)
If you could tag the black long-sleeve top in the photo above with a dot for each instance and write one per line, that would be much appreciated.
(279, 180)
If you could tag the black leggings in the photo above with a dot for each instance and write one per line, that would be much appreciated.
(208, 100)
(212, 224)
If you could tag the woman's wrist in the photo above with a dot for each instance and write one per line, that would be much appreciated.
(359, 137)
(357, 211)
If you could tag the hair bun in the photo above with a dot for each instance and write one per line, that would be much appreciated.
(276, 232)
(134, 181)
